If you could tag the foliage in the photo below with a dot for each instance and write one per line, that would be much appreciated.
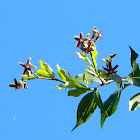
(79, 84)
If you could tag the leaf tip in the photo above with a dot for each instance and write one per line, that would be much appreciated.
(74, 128)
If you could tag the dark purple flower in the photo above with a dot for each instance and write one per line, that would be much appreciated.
(109, 61)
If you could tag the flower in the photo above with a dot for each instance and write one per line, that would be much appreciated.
(111, 70)
(85, 44)
(27, 66)
(96, 34)
(109, 61)
(81, 40)
(18, 85)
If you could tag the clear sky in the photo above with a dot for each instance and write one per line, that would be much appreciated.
(44, 29)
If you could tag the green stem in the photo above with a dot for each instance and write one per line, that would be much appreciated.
(96, 69)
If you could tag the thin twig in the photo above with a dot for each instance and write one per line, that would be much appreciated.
(45, 78)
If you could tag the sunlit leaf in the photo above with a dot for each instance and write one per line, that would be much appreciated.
(91, 70)
(45, 67)
(85, 79)
(62, 73)
(28, 77)
(134, 102)
(70, 84)
(84, 57)
(94, 55)
(60, 86)
(43, 73)
(85, 109)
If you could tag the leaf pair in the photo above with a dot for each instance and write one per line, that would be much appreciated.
(89, 103)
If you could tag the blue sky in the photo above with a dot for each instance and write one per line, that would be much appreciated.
(44, 30)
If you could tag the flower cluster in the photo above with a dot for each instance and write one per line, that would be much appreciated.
(27, 70)
(109, 68)
(87, 44)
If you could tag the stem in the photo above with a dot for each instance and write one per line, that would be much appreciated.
(45, 78)
(54, 79)
(96, 68)
(105, 83)
(93, 89)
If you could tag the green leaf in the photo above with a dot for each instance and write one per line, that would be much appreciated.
(62, 73)
(43, 74)
(70, 84)
(103, 118)
(134, 102)
(99, 74)
(94, 55)
(134, 79)
(45, 67)
(90, 78)
(102, 74)
(91, 70)
(99, 101)
(134, 56)
(60, 86)
(117, 79)
(110, 106)
(134, 76)
(85, 109)
(76, 92)
(84, 57)
(26, 77)
(85, 79)
(78, 85)
(125, 86)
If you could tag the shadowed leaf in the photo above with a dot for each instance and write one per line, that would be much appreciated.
(76, 92)
(85, 109)
(110, 106)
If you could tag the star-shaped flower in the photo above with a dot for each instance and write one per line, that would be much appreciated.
(27, 66)
(81, 40)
